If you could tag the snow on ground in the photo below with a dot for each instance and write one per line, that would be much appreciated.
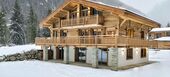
(45, 69)
(17, 49)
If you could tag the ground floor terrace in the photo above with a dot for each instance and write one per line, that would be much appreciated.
(94, 56)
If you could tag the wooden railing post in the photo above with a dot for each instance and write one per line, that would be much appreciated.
(97, 19)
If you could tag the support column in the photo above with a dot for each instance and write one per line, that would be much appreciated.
(95, 57)
(66, 54)
(54, 52)
(113, 58)
(71, 54)
(45, 53)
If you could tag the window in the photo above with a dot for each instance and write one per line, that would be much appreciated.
(83, 32)
(84, 11)
(142, 34)
(73, 15)
(143, 53)
(130, 33)
(129, 53)
(94, 11)
(63, 33)
(167, 33)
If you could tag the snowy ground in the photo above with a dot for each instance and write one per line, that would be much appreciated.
(45, 69)
(17, 49)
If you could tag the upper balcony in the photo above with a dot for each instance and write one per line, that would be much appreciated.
(110, 41)
(82, 21)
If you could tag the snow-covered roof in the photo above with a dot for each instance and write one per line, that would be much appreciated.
(161, 29)
(120, 5)
(163, 39)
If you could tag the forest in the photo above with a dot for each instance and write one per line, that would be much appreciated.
(19, 20)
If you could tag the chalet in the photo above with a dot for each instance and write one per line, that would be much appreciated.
(97, 32)
(162, 35)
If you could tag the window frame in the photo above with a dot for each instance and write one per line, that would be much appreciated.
(129, 54)
(143, 53)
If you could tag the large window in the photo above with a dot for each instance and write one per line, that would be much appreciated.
(84, 11)
(143, 53)
(129, 54)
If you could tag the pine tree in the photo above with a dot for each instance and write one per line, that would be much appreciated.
(4, 32)
(168, 33)
(45, 32)
(17, 32)
(168, 25)
(31, 26)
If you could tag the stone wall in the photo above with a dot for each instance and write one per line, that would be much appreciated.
(32, 54)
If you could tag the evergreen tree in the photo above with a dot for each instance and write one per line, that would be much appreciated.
(168, 33)
(168, 25)
(3, 29)
(31, 26)
(45, 32)
(17, 32)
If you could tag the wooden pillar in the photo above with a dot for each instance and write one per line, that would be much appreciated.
(117, 34)
(58, 32)
(78, 13)
(51, 31)
(68, 18)
(89, 11)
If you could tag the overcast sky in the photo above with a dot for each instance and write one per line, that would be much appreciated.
(143, 5)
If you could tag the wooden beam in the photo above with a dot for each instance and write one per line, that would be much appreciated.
(124, 20)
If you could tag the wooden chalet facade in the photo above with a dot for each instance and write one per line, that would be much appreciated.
(89, 27)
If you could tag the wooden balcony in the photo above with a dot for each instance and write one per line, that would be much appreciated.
(109, 41)
(82, 21)
(163, 45)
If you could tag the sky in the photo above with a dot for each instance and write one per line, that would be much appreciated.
(143, 5)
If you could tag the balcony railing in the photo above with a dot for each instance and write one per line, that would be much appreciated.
(82, 21)
(136, 42)
(97, 41)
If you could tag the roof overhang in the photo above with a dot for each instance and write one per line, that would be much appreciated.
(161, 29)
(166, 39)
(120, 12)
